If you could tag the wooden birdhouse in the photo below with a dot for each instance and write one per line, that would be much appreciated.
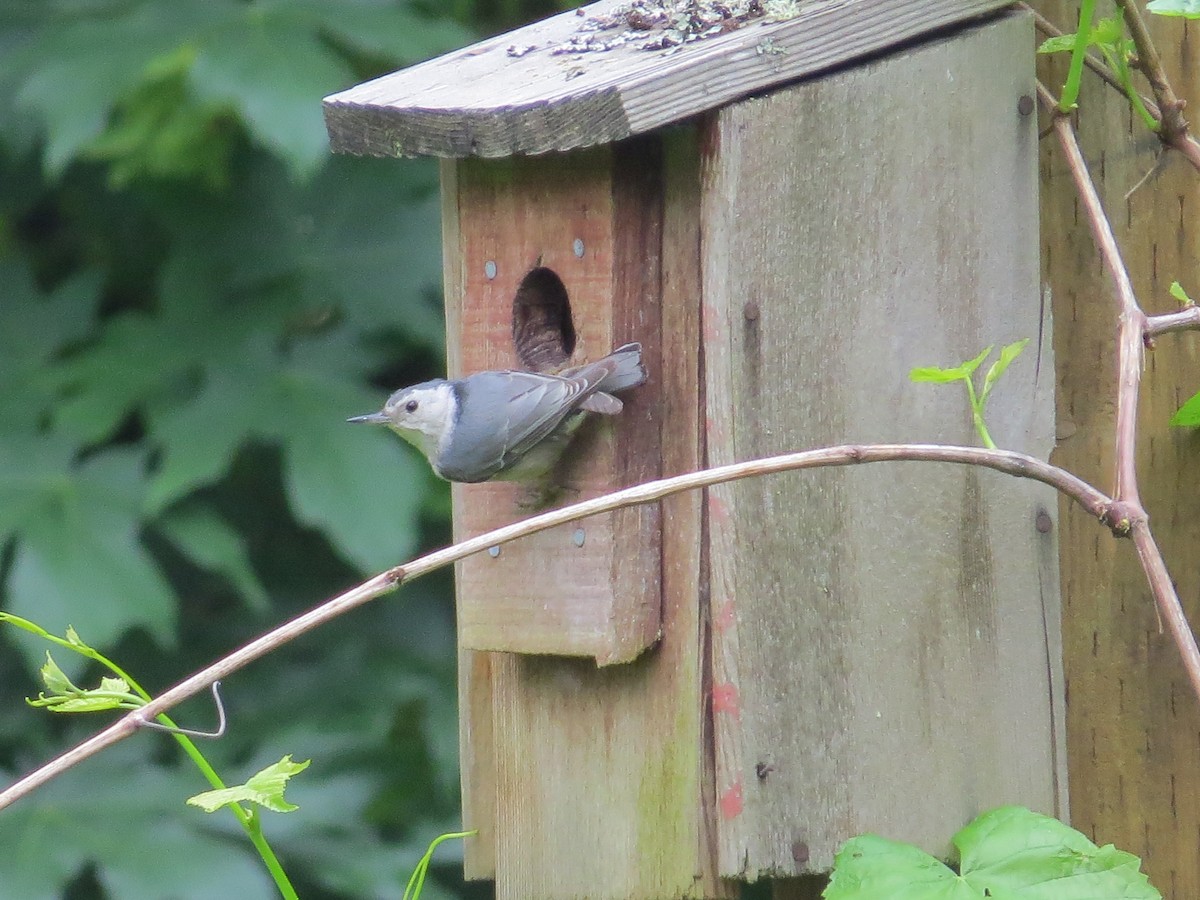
(790, 206)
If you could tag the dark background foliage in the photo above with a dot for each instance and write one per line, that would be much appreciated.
(194, 295)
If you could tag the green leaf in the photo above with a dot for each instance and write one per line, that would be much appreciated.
(1188, 415)
(70, 76)
(120, 812)
(387, 30)
(264, 788)
(1058, 43)
(160, 130)
(1178, 292)
(211, 543)
(936, 375)
(34, 328)
(1007, 355)
(199, 438)
(870, 867)
(961, 372)
(361, 486)
(55, 679)
(79, 558)
(1109, 32)
(1188, 8)
(273, 70)
(1012, 851)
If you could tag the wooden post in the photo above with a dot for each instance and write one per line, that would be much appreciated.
(1133, 721)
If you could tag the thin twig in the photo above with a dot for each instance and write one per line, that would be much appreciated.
(1132, 319)
(1163, 589)
(1186, 319)
(1011, 463)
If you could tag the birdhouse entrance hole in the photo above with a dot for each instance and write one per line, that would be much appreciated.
(542, 328)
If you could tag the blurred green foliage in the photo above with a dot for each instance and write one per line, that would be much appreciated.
(193, 297)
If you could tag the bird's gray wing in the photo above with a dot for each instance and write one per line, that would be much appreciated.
(504, 414)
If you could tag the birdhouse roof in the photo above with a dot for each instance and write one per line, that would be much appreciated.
(615, 69)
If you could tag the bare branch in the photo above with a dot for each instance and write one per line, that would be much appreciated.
(1011, 463)
(1186, 319)
(1132, 319)
(1167, 600)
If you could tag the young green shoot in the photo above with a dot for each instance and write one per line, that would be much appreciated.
(417, 882)
(123, 692)
(965, 372)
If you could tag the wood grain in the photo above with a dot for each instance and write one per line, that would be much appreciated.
(600, 773)
(883, 641)
(590, 589)
(481, 101)
(1132, 721)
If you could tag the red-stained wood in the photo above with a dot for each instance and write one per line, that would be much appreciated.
(592, 588)
(597, 782)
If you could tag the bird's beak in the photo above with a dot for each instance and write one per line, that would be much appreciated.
(377, 418)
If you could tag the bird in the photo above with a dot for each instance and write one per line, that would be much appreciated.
(507, 425)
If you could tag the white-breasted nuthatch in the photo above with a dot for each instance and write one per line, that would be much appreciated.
(509, 426)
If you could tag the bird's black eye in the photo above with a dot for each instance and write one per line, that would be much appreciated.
(411, 406)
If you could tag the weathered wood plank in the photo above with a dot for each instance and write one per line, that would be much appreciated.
(477, 761)
(882, 635)
(601, 776)
(481, 101)
(590, 588)
(1132, 721)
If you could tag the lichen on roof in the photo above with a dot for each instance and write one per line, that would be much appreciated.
(665, 25)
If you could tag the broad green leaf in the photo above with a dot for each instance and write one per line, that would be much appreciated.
(870, 867)
(79, 559)
(264, 788)
(161, 131)
(273, 70)
(1188, 8)
(206, 539)
(1179, 293)
(1007, 355)
(122, 812)
(362, 486)
(70, 76)
(200, 437)
(1188, 415)
(34, 328)
(1013, 852)
(360, 242)
(132, 362)
(384, 29)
